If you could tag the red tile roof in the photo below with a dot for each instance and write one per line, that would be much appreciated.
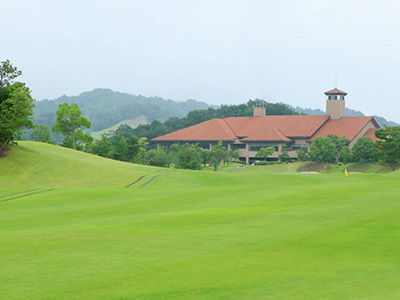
(371, 134)
(290, 126)
(347, 127)
(212, 130)
(270, 128)
(335, 91)
(268, 134)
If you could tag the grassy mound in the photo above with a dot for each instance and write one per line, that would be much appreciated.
(33, 164)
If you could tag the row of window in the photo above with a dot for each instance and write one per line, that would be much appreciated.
(336, 97)
(252, 147)
(256, 147)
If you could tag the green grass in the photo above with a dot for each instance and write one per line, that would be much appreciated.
(37, 165)
(191, 234)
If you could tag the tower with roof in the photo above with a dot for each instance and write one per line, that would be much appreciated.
(335, 103)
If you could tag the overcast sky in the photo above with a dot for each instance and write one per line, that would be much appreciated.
(220, 52)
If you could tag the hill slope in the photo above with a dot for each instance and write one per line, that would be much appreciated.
(33, 164)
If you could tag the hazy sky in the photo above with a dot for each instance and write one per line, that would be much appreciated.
(220, 52)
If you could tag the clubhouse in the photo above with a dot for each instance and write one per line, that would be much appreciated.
(248, 134)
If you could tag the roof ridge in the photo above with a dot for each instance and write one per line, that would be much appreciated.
(323, 123)
(279, 132)
(366, 123)
(223, 129)
(234, 133)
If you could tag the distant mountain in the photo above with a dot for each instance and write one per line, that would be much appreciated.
(349, 112)
(105, 108)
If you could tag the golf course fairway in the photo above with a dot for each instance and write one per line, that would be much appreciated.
(70, 228)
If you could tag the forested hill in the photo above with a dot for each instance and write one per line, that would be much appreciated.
(349, 112)
(105, 107)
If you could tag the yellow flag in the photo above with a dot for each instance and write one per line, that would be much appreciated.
(345, 172)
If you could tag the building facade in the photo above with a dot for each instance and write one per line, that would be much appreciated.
(248, 134)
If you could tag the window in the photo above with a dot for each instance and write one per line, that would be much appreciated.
(239, 146)
(297, 147)
(256, 147)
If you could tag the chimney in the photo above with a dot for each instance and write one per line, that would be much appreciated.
(259, 111)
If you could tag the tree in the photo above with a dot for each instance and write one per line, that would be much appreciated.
(345, 155)
(233, 155)
(41, 133)
(158, 158)
(8, 73)
(71, 124)
(218, 154)
(189, 158)
(133, 147)
(284, 156)
(339, 143)
(265, 152)
(389, 144)
(102, 146)
(302, 154)
(364, 150)
(119, 148)
(142, 148)
(16, 106)
(125, 130)
(323, 150)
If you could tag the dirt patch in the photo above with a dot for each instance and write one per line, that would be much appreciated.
(4, 152)
(314, 166)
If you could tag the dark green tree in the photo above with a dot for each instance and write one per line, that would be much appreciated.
(339, 141)
(345, 155)
(265, 152)
(323, 150)
(16, 106)
(71, 124)
(364, 150)
(142, 150)
(102, 146)
(389, 145)
(133, 147)
(302, 154)
(233, 155)
(218, 154)
(158, 158)
(189, 158)
(284, 156)
(119, 148)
